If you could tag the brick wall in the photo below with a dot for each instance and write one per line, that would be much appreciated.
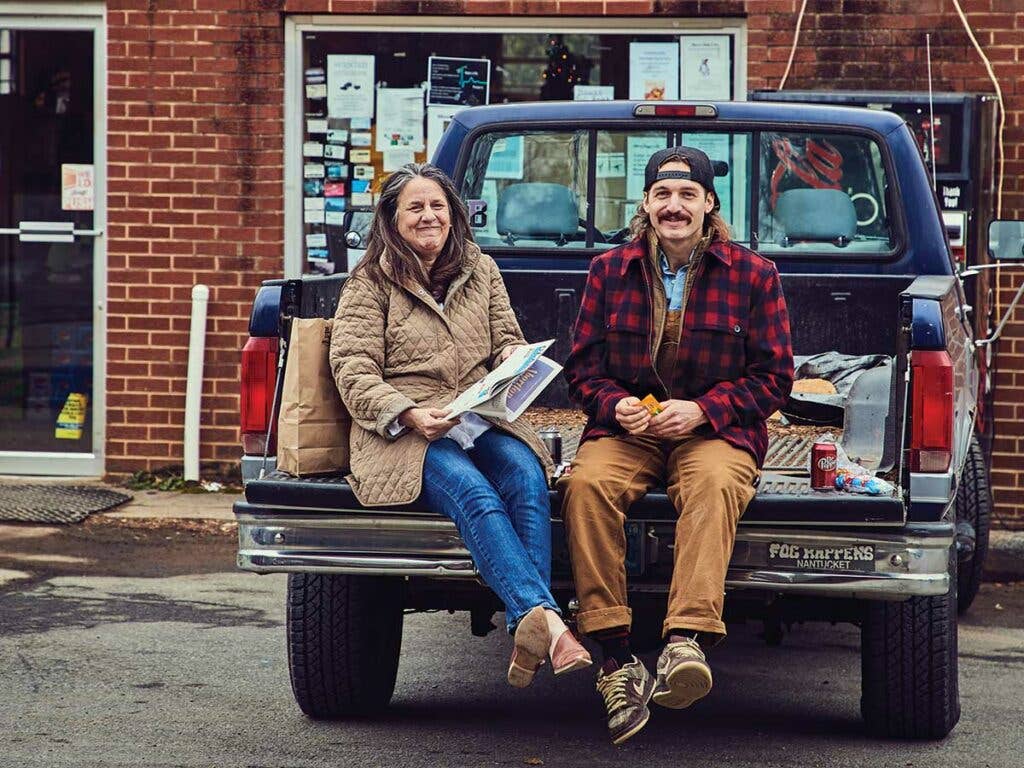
(195, 169)
(880, 44)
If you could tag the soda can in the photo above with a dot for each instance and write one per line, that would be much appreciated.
(552, 440)
(823, 465)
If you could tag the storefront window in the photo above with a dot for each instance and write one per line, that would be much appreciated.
(374, 99)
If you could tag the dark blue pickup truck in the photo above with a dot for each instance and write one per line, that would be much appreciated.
(841, 201)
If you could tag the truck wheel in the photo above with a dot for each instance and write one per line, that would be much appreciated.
(909, 666)
(974, 507)
(344, 639)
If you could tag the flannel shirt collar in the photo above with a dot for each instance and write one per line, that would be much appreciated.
(636, 250)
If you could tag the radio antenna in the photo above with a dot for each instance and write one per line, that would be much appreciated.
(931, 108)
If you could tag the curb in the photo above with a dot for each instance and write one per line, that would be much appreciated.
(1005, 560)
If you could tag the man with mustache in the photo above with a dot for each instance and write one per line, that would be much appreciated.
(698, 322)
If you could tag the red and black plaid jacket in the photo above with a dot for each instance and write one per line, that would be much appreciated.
(735, 358)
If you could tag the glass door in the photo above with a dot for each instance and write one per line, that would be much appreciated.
(49, 380)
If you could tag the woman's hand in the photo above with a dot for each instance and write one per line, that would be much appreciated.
(429, 422)
(506, 353)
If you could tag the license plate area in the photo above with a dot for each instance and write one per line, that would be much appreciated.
(858, 558)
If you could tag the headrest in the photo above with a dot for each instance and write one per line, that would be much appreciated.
(537, 209)
(822, 215)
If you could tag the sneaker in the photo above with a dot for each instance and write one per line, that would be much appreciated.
(626, 691)
(683, 675)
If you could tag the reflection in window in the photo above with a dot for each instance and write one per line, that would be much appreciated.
(822, 192)
(534, 186)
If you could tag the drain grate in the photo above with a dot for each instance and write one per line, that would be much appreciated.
(55, 503)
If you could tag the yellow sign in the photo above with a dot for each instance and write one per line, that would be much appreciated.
(72, 417)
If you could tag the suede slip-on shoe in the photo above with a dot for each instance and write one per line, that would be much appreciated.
(569, 654)
(532, 639)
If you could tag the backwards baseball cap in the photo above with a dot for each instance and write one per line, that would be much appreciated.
(701, 169)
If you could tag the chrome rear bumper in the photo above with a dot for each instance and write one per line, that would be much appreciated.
(413, 545)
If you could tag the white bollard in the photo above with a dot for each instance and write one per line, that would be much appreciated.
(194, 382)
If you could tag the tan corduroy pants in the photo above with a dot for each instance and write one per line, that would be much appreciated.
(710, 484)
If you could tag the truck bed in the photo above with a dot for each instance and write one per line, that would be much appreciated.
(783, 497)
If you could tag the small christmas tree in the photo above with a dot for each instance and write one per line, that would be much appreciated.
(565, 70)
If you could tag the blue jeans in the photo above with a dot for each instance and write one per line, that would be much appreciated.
(497, 495)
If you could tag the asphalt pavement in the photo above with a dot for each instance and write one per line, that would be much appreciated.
(132, 640)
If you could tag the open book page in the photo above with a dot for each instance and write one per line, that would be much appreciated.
(497, 380)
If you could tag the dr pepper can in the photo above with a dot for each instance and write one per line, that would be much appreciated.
(823, 466)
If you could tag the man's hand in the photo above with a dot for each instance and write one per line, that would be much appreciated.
(678, 418)
(632, 416)
(429, 422)
(506, 353)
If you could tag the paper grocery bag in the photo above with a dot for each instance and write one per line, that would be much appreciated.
(313, 426)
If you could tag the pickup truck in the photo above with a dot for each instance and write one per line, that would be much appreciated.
(840, 199)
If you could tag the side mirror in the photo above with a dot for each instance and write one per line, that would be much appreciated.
(1006, 240)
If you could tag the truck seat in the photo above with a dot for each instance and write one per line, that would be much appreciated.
(537, 214)
(816, 215)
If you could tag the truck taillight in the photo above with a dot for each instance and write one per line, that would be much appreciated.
(931, 438)
(259, 377)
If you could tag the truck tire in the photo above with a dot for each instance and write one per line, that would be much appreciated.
(909, 666)
(344, 639)
(973, 506)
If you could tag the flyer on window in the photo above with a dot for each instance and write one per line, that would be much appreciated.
(438, 119)
(705, 67)
(350, 86)
(718, 147)
(463, 82)
(399, 119)
(638, 151)
(654, 71)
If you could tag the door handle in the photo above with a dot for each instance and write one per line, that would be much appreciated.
(49, 232)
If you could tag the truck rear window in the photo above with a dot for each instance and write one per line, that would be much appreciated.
(816, 193)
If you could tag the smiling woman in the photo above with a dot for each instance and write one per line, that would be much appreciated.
(424, 218)
(424, 315)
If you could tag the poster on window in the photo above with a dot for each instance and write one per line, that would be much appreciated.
(718, 148)
(465, 82)
(77, 187)
(654, 71)
(638, 151)
(350, 86)
(399, 119)
(705, 69)
(438, 119)
(506, 160)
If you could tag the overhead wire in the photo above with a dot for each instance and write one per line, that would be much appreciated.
(792, 50)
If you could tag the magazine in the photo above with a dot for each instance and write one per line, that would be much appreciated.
(509, 389)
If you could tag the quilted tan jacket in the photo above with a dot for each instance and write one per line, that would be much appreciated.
(394, 348)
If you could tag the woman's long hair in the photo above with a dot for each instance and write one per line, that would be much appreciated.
(405, 263)
(714, 224)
